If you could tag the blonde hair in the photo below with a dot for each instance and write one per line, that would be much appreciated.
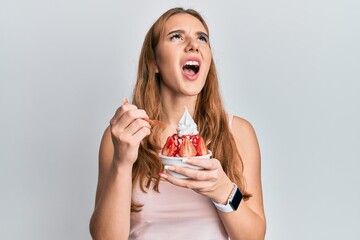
(210, 115)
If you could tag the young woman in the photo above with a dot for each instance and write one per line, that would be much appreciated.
(136, 198)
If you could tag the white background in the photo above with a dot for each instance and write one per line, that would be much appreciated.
(290, 67)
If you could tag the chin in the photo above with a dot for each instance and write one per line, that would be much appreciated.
(192, 92)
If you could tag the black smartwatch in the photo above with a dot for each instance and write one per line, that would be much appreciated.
(232, 203)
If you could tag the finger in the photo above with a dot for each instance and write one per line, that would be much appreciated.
(209, 164)
(199, 175)
(195, 174)
(119, 113)
(141, 134)
(137, 125)
(195, 185)
(129, 116)
(181, 182)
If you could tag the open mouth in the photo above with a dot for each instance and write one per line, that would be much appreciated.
(191, 68)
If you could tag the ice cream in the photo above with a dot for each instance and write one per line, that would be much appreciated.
(186, 142)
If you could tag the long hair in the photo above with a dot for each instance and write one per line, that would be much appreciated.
(210, 115)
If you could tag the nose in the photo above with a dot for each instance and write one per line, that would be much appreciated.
(192, 46)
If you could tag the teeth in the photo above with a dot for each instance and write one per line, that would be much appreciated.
(194, 63)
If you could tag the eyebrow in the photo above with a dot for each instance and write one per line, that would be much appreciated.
(198, 33)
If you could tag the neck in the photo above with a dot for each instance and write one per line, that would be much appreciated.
(173, 108)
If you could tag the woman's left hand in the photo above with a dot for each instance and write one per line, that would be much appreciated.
(211, 181)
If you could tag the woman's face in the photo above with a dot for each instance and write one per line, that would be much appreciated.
(183, 55)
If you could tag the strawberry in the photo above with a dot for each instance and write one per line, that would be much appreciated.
(186, 148)
(199, 145)
(170, 147)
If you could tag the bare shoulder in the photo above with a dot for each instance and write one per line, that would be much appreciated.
(248, 147)
(244, 134)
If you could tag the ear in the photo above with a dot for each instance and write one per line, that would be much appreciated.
(156, 68)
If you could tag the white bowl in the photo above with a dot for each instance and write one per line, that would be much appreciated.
(169, 161)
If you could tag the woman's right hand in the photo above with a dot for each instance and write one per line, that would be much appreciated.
(127, 129)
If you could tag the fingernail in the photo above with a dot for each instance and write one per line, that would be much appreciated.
(163, 175)
(185, 160)
(170, 168)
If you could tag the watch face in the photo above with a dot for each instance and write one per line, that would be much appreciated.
(235, 202)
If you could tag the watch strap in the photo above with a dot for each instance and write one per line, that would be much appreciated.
(233, 201)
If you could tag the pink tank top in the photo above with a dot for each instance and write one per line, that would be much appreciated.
(175, 213)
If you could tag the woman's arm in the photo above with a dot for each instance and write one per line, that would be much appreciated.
(118, 152)
(111, 216)
(248, 222)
